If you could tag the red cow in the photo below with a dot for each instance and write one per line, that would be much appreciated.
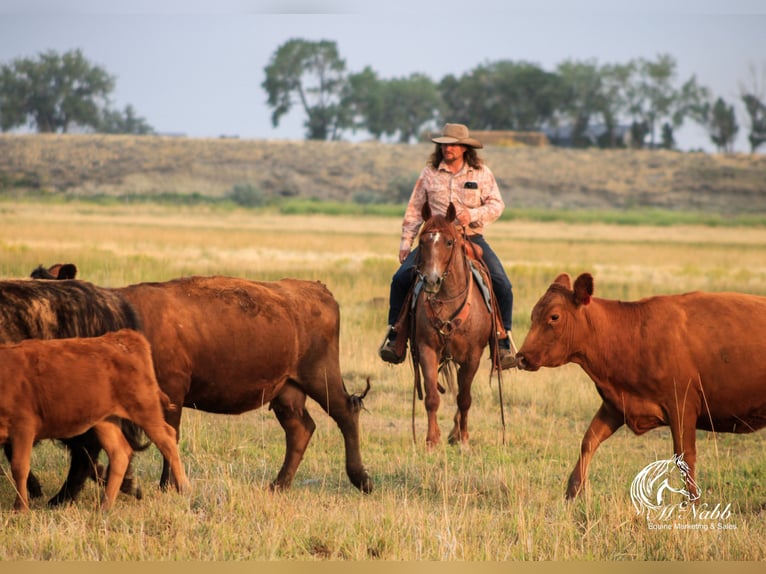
(691, 361)
(60, 388)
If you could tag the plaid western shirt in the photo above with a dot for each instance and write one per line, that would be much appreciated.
(481, 198)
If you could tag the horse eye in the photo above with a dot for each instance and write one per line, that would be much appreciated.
(450, 243)
(554, 317)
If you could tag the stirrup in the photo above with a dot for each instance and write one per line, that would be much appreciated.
(387, 351)
(506, 358)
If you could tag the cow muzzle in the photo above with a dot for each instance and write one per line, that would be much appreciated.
(524, 364)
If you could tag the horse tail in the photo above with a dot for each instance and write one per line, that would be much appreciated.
(448, 374)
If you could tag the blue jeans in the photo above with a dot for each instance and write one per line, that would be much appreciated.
(501, 285)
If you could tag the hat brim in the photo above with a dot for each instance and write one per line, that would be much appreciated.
(464, 141)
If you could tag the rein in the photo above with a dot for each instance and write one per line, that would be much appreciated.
(446, 327)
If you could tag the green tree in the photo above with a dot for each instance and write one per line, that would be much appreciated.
(53, 93)
(410, 104)
(503, 95)
(399, 108)
(753, 96)
(583, 96)
(614, 83)
(364, 102)
(756, 111)
(125, 122)
(652, 97)
(722, 125)
(313, 75)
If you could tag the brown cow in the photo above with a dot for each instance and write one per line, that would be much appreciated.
(60, 388)
(691, 361)
(227, 345)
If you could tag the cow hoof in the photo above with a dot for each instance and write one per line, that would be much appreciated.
(365, 484)
(131, 487)
(34, 489)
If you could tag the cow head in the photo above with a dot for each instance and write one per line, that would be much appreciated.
(57, 271)
(551, 338)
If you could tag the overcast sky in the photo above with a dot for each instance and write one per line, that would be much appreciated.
(196, 66)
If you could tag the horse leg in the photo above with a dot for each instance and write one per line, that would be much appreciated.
(459, 432)
(429, 363)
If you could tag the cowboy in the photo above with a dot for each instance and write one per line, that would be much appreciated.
(454, 174)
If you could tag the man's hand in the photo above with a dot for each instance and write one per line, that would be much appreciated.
(464, 218)
(403, 253)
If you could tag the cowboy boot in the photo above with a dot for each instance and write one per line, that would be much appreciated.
(388, 349)
(506, 357)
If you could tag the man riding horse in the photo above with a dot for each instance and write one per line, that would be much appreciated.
(454, 174)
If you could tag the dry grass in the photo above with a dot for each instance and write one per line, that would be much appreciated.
(500, 500)
(528, 177)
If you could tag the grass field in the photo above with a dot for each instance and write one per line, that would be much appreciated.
(502, 499)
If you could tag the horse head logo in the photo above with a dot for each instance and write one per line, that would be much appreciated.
(653, 487)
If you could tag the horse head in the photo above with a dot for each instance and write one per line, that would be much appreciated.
(439, 240)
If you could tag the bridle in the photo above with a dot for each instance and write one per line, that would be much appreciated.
(435, 304)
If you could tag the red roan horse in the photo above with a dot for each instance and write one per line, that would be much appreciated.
(452, 322)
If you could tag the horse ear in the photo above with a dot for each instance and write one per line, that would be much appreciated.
(451, 212)
(425, 212)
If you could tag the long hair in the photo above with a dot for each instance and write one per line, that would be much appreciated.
(469, 156)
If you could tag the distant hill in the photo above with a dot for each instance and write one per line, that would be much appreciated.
(81, 165)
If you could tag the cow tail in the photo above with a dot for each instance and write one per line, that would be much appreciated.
(167, 406)
(134, 434)
(356, 401)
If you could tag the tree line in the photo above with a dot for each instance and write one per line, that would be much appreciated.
(593, 104)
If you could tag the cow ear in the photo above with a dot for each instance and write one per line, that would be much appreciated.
(564, 280)
(451, 212)
(583, 289)
(67, 271)
(425, 211)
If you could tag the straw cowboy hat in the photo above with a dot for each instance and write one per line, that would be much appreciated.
(456, 134)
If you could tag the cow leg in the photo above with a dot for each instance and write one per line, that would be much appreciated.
(289, 408)
(33, 485)
(459, 433)
(429, 364)
(20, 463)
(344, 410)
(604, 424)
(84, 451)
(164, 437)
(685, 443)
(173, 418)
(119, 452)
